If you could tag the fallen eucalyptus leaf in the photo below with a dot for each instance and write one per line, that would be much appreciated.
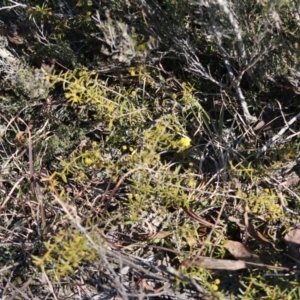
(159, 235)
(239, 251)
(227, 264)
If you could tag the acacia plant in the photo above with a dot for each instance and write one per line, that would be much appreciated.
(149, 149)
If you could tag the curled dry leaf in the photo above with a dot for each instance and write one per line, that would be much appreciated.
(251, 231)
(258, 236)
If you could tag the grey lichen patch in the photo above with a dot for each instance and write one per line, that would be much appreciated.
(33, 84)
(121, 42)
(20, 77)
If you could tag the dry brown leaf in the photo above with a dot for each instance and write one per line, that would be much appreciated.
(226, 264)
(197, 218)
(239, 251)
(159, 235)
(20, 138)
(292, 239)
(258, 236)
(216, 264)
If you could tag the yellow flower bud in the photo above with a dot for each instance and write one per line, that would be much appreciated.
(88, 161)
(184, 142)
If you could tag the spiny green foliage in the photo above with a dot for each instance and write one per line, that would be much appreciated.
(135, 130)
(68, 250)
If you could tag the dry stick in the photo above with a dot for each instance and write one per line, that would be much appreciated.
(277, 136)
(14, 4)
(237, 87)
(22, 289)
(248, 67)
(35, 187)
(290, 137)
(225, 56)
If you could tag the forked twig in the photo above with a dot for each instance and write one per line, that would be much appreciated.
(277, 136)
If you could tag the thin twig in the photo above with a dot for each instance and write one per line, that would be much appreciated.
(10, 193)
(277, 136)
(35, 186)
(15, 4)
